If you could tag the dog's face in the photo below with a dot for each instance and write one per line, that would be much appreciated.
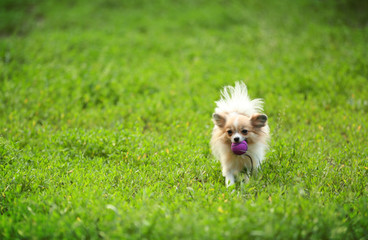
(237, 127)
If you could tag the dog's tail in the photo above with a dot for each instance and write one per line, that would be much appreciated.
(236, 99)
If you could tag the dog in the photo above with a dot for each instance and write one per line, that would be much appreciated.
(237, 118)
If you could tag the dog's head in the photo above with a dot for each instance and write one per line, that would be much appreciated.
(237, 127)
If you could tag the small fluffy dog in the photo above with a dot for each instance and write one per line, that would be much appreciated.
(237, 118)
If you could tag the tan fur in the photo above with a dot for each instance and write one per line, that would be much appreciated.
(244, 122)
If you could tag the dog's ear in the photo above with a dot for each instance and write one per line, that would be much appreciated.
(219, 120)
(258, 120)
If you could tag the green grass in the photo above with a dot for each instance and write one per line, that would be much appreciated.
(105, 119)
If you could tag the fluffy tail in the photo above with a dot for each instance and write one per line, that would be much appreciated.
(236, 99)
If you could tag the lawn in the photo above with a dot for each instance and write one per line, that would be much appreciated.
(105, 118)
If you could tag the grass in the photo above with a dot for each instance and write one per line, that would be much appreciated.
(105, 119)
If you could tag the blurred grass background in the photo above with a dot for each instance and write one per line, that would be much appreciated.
(105, 118)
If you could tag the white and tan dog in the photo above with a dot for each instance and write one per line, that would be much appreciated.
(237, 118)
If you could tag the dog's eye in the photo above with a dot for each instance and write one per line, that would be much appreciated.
(244, 131)
(229, 132)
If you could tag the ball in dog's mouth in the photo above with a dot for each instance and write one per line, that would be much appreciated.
(239, 148)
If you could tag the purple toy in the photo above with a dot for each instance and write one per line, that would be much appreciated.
(239, 148)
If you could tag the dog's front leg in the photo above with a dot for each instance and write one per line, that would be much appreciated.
(229, 179)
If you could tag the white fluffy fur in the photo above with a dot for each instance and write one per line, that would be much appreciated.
(235, 101)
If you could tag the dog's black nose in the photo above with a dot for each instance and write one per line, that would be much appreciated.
(236, 139)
